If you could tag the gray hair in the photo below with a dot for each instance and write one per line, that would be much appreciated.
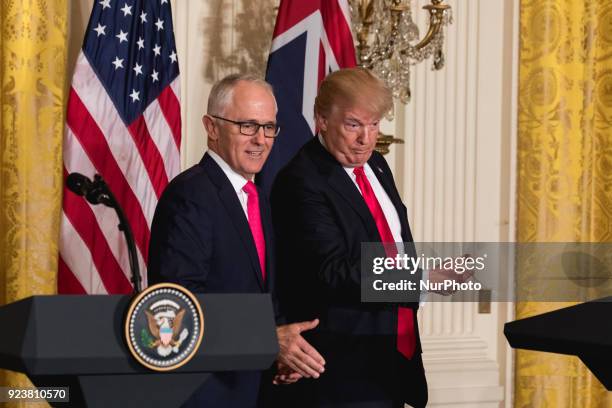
(221, 93)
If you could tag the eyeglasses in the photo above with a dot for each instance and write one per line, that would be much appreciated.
(251, 128)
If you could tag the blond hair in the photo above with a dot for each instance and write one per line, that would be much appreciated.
(351, 87)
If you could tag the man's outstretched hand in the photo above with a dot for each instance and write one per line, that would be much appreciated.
(441, 275)
(297, 358)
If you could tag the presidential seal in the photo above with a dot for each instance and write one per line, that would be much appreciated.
(164, 327)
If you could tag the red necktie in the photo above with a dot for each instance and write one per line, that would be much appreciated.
(254, 217)
(406, 341)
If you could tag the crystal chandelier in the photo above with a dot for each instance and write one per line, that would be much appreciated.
(386, 36)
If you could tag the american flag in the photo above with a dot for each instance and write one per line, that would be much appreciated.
(311, 39)
(122, 122)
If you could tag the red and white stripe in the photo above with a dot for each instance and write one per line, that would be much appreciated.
(136, 161)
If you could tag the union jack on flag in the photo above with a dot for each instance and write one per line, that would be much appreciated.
(122, 122)
(311, 39)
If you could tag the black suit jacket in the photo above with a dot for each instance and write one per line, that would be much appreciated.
(201, 239)
(320, 221)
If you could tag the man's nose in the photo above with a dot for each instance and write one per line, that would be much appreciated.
(366, 135)
(259, 137)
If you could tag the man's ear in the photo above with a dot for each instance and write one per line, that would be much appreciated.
(321, 122)
(210, 126)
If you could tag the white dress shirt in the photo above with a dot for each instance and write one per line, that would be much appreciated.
(237, 180)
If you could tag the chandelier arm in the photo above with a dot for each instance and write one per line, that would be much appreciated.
(436, 12)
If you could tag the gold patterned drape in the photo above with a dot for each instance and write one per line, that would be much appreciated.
(564, 166)
(33, 53)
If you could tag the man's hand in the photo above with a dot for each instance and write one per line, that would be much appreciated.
(295, 352)
(285, 375)
(441, 275)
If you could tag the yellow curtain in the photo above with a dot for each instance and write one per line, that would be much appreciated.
(33, 54)
(564, 166)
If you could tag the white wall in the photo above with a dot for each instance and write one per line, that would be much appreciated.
(455, 172)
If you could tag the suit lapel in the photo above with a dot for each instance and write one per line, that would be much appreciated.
(343, 185)
(232, 205)
(266, 222)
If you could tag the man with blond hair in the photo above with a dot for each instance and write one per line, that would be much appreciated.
(334, 195)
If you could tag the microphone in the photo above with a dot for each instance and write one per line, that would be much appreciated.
(97, 192)
(78, 183)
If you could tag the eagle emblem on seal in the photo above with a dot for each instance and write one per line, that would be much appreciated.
(165, 320)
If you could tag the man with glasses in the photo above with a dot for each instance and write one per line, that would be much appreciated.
(212, 231)
(334, 195)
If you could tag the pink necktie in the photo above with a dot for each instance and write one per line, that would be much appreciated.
(406, 340)
(254, 217)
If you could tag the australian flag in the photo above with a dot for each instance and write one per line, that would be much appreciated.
(311, 39)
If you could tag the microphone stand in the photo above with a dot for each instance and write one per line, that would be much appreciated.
(124, 226)
(97, 192)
